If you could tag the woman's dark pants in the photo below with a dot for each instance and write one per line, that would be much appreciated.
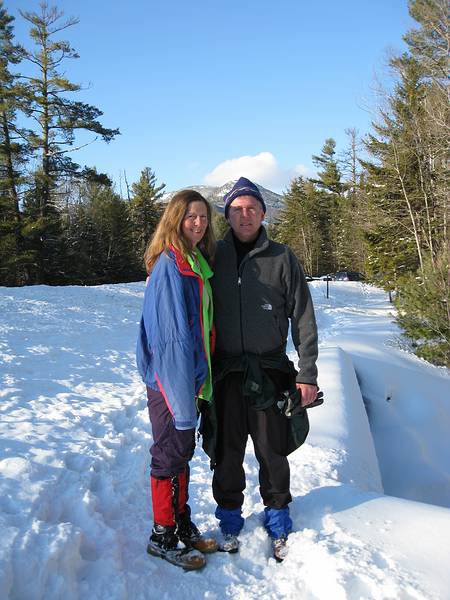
(171, 452)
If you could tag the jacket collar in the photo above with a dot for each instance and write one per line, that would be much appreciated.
(261, 243)
(182, 264)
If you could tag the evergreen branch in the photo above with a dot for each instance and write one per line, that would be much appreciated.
(60, 152)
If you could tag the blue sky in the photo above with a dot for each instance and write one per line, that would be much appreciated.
(204, 91)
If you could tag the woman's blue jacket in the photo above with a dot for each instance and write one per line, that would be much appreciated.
(170, 352)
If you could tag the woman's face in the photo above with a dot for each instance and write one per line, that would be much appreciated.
(195, 222)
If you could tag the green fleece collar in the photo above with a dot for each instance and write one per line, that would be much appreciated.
(200, 267)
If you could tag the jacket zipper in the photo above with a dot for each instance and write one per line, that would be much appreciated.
(240, 303)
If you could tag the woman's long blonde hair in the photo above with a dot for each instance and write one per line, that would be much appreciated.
(168, 232)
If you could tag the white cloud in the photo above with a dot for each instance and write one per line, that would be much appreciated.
(262, 168)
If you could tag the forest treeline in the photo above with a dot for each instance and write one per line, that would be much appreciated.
(382, 207)
(379, 206)
(60, 223)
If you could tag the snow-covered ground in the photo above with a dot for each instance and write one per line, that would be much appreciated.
(371, 486)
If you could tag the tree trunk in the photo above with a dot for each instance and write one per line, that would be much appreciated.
(409, 206)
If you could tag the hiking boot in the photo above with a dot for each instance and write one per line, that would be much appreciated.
(163, 542)
(279, 548)
(229, 543)
(191, 536)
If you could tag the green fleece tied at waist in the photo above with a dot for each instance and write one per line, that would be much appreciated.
(257, 385)
(201, 267)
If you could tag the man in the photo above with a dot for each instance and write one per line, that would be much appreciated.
(258, 286)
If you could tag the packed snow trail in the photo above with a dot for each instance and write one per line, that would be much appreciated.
(74, 465)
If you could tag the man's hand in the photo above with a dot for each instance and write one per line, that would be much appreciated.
(308, 393)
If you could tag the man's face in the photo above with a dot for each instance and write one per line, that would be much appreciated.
(245, 216)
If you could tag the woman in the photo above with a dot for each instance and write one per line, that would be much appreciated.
(173, 357)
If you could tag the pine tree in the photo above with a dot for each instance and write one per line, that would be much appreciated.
(79, 229)
(352, 203)
(429, 46)
(408, 183)
(350, 166)
(12, 157)
(394, 180)
(298, 224)
(424, 310)
(330, 191)
(105, 248)
(145, 210)
(329, 174)
(57, 118)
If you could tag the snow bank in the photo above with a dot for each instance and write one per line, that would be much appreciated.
(342, 425)
(407, 400)
(408, 408)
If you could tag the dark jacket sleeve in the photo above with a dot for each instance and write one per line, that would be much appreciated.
(303, 322)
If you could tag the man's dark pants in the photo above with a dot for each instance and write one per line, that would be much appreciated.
(269, 431)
